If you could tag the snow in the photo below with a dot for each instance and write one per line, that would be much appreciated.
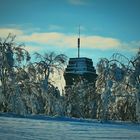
(40, 127)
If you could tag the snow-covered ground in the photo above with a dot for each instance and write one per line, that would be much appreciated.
(47, 128)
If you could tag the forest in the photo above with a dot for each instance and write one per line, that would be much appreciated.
(27, 86)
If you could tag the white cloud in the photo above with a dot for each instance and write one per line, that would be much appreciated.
(5, 31)
(78, 2)
(32, 49)
(99, 42)
(62, 40)
(51, 38)
(132, 46)
(54, 27)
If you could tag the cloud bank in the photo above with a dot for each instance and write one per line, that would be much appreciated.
(62, 40)
(5, 31)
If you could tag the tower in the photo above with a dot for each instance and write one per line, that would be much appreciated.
(79, 43)
(79, 68)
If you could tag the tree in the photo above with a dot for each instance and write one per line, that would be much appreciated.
(11, 57)
(48, 64)
(81, 100)
(131, 85)
(134, 80)
(111, 84)
(39, 93)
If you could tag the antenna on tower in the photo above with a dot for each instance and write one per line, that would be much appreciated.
(79, 43)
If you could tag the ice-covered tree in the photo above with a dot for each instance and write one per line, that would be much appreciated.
(119, 84)
(81, 100)
(134, 80)
(111, 74)
(11, 57)
(40, 72)
(23, 84)
(47, 64)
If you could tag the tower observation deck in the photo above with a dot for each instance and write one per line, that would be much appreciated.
(79, 68)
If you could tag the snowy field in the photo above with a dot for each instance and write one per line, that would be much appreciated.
(46, 128)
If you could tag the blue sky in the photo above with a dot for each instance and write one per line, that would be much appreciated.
(107, 26)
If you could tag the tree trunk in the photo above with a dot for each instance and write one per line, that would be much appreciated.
(138, 104)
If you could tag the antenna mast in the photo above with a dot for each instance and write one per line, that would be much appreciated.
(79, 43)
